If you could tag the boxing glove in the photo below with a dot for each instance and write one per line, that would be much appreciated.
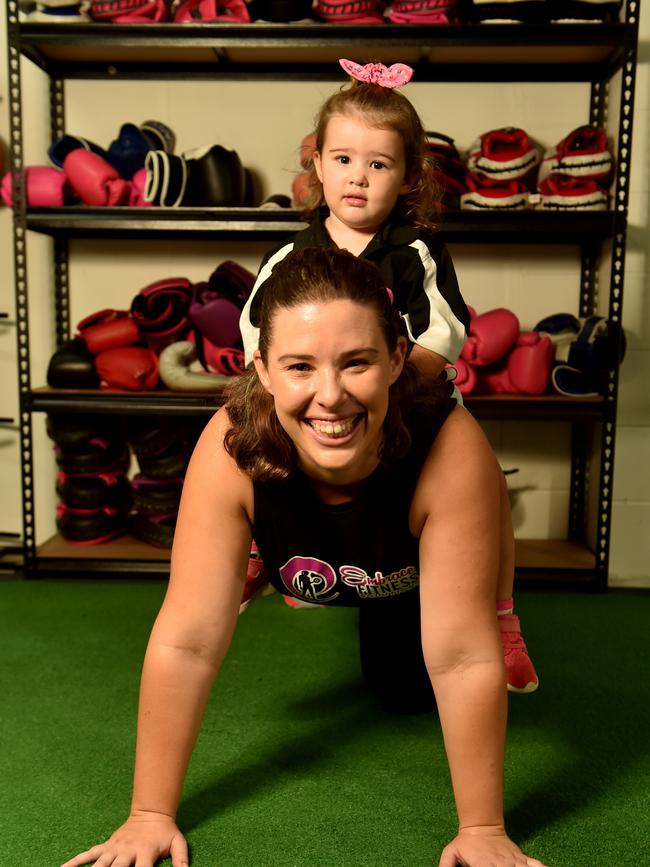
(45, 187)
(108, 329)
(491, 336)
(562, 329)
(132, 368)
(215, 317)
(94, 180)
(161, 311)
(191, 11)
(167, 176)
(159, 136)
(232, 281)
(177, 374)
(72, 366)
(129, 11)
(307, 148)
(216, 178)
(466, 376)
(128, 151)
(527, 369)
(61, 147)
(301, 190)
(137, 190)
(221, 359)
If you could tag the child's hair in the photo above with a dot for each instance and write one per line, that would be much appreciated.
(384, 108)
(256, 439)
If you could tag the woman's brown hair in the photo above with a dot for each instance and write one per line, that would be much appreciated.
(256, 439)
(384, 108)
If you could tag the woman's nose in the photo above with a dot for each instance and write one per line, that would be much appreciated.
(329, 389)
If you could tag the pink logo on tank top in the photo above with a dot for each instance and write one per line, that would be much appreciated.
(310, 579)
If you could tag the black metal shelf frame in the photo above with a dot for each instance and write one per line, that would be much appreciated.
(592, 53)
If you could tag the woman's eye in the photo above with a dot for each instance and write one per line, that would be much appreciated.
(358, 362)
(298, 367)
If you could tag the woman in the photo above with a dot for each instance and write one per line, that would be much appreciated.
(358, 492)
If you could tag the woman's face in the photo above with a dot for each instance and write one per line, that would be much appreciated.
(329, 370)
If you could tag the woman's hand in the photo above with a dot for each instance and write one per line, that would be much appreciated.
(484, 847)
(142, 840)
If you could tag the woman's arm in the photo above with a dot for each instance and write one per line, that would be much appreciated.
(188, 643)
(456, 514)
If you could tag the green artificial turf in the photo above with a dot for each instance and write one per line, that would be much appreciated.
(295, 766)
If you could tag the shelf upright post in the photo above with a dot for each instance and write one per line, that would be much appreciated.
(61, 244)
(20, 277)
(615, 299)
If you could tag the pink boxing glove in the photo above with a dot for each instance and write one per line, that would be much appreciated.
(527, 370)
(466, 376)
(46, 187)
(491, 336)
(136, 193)
(94, 180)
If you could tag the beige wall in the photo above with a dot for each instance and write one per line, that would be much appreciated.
(265, 122)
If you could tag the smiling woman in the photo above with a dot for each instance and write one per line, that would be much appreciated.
(361, 489)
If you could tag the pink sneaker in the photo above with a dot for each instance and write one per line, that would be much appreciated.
(520, 672)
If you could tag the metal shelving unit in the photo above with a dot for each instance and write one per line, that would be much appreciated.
(597, 54)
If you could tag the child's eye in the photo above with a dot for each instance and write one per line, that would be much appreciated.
(343, 159)
(377, 164)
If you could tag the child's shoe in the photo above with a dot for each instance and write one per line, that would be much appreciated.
(520, 672)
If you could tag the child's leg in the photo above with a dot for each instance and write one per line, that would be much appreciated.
(520, 672)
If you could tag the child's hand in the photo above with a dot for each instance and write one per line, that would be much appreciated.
(484, 847)
(142, 839)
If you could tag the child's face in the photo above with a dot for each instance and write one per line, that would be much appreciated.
(362, 170)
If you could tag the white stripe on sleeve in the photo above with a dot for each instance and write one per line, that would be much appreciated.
(249, 332)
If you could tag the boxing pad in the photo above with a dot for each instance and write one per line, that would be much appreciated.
(132, 368)
(89, 526)
(73, 428)
(169, 464)
(97, 455)
(108, 329)
(149, 437)
(94, 490)
(193, 11)
(491, 336)
(137, 190)
(177, 374)
(167, 177)
(156, 496)
(161, 311)
(128, 151)
(215, 317)
(72, 366)
(45, 187)
(156, 530)
(216, 177)
(279, 11)
(94, 180)
(61, 147)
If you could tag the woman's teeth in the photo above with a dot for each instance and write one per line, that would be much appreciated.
(333, 429)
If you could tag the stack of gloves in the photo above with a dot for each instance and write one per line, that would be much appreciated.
(176, 334)
(138, 169)
(507, 170)
(562, 354)
(92, 485)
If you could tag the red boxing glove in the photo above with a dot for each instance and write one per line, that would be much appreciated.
(108, 329)
(132, 368)
(45, 187)
(94, 180)
(491, 336)
(136, 192)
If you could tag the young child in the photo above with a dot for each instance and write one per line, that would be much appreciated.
(373, 195)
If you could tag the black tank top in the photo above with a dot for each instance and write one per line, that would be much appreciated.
(351, 553)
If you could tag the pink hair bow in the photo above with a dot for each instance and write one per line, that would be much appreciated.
(376, 73)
